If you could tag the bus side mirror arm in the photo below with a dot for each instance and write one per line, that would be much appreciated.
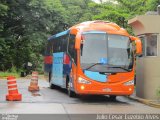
(78, 41)
(138, 45)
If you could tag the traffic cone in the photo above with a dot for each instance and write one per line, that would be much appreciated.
(34, 82)
(13, 94)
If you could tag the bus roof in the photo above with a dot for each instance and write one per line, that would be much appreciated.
(58, 34)
(97, 25)
(100, 25)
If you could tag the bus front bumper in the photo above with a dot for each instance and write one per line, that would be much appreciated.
(107, 89)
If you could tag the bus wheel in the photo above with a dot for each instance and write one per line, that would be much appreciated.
(112, 97)
(52, 86)
(69, 91)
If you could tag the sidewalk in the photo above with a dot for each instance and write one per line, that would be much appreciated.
(152, 103)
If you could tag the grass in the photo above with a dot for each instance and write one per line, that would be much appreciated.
(6, 74)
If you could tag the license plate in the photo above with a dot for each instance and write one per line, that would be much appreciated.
(107, 90)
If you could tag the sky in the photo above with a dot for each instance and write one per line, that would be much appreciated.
(97, 1)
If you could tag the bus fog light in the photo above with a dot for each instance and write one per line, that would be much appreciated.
(83, 81)
(129, 83)
(82, 87)
(130, 89)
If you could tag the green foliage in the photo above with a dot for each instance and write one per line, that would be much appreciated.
(13, 69)
(11, 72)
(26, 27)
(3, 12)
(6, 74)
(121, 12)
(77, 11)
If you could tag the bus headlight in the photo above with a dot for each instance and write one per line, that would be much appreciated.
(129, 83)
(83, 81)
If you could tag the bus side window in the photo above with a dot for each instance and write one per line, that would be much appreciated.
(64, 43)
(47, 51)
(56, 45)
(60, 44)
(71, 48)
(49, 47)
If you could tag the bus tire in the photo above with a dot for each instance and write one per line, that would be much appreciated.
(52, 86)
(112, 97)
(69, 91)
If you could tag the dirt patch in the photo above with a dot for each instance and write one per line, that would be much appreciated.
(36, 94)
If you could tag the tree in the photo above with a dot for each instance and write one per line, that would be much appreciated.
(122, 10)
(26, 27)
(77, 11)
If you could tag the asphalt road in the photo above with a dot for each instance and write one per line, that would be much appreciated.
(56, 101)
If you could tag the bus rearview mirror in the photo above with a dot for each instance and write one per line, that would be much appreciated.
(138, 45)
(78, 41)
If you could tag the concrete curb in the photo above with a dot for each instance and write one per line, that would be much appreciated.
(144, 101)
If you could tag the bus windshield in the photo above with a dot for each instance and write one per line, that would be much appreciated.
(103, 52)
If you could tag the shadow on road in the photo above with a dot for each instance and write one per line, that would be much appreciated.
(95, 99)
(104, 99)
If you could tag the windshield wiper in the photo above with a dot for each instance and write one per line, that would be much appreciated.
(121, 68)
(93, 65)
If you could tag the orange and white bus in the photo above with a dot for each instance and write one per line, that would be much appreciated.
(93, 57)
